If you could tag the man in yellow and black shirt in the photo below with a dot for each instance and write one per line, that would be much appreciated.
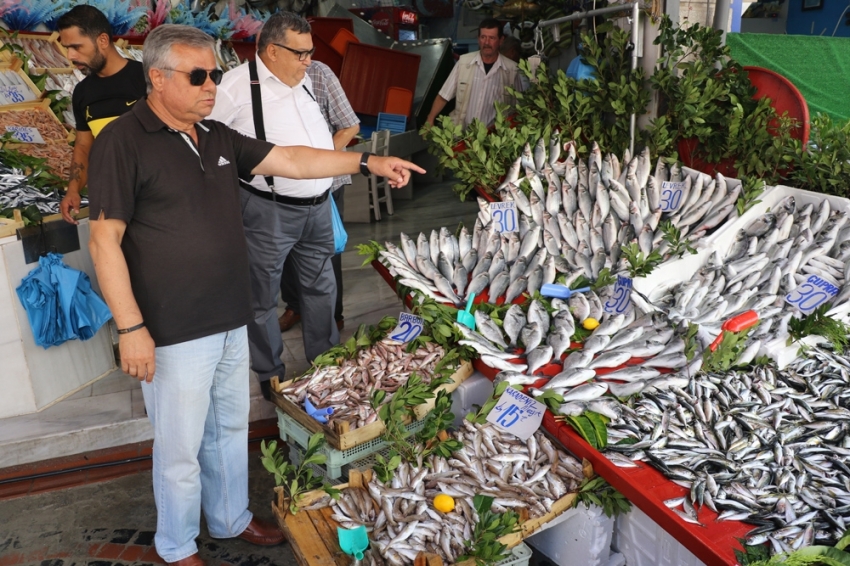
(111, 87)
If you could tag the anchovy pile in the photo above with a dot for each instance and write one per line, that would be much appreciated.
(16, 193)
(768, 260)
(401, 520)
(764, 446)
(347, 388)
(576, 226)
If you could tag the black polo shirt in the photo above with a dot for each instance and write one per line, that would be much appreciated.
(184, 243)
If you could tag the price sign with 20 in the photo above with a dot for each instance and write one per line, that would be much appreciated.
(671, 196)
(504, 216)
(811, 294)
(620, 302)
(409, 327)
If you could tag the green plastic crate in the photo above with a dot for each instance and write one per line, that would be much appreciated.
(291, 431)
(520, 556)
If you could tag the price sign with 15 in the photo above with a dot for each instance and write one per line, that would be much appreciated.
(517, 413)
(409, 327)
(811, 294)
(620, 302)
(504, 216)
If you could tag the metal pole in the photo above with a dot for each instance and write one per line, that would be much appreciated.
(589, 13)
(721, 18)
(635, 30)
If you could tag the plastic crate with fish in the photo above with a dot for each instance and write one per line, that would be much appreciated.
(292, 431)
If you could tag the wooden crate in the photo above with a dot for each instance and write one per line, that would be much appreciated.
(339, 436)
(9, 226)
(40, 106)
(51, 42)
(15, 66)
(312, 534)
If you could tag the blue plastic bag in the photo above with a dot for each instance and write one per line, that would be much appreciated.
(340, 235)
(580, 70)
(60, 303)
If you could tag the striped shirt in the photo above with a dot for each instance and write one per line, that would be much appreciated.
(334, 105)
(485, 90)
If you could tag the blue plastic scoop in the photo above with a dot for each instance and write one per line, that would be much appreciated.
(464, 317)
(320, 415)
(560, 291)
(353, 541)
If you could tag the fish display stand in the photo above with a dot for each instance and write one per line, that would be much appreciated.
(312, 534)
(337, 433)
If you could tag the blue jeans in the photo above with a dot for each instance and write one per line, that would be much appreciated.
(198, 404)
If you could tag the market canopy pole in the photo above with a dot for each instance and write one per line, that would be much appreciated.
(635, 8)
(721, 17)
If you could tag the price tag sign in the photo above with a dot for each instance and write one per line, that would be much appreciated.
(25, 134)
(620, 302)
(671, 196)
(811, 294)
(504, 216)
(517, 413)
(408, 328)
(16, 93)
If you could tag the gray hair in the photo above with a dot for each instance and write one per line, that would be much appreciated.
(275, 28)
(157, 48)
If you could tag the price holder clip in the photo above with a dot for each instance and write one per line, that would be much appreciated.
(517, 413)
(25, 134)
(620, 302)
(671, 196)
(504, 216)
(811, 294)
(409, 327)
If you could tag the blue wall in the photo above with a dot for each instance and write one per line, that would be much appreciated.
(800, 22)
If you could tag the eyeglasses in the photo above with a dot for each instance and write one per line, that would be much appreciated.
(302, 55)
(197, 77)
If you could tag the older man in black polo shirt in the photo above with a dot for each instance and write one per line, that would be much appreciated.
(171, 259)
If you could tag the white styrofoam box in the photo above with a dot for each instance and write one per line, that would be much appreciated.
(644, 543)
(474, 391)
(616, 559)
(580, 536)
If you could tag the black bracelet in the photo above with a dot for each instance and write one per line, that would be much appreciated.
(364, 159)
(131, 329)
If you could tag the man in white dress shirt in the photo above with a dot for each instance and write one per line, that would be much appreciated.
(294, 219)
(478, 80)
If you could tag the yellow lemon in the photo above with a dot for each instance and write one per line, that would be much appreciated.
(590, 323)
(444, 503)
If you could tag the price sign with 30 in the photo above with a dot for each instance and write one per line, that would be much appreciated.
(504, 216)
(811, 294)
(671, 196)
(620, 302)
(409, 327)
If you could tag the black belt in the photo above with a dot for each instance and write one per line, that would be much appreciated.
(312, 201)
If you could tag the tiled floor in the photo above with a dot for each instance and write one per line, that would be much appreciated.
(111, 411)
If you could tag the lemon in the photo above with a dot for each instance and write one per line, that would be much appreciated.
(444, 503)
(590, 323)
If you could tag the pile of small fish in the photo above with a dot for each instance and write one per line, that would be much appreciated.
(399, 516)
(347, 388)
(16, 193)
(769, 259)
(763, 446)
(44, 122)
(131, 52)
(44, 54)
(576, 226)
(65, 82)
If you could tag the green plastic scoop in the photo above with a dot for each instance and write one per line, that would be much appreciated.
(464, 317)
(353, 541)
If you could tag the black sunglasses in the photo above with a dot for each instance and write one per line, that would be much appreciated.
(301, 54)
(197, 77)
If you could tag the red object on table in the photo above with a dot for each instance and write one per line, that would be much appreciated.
(736, 324)
(784, 97)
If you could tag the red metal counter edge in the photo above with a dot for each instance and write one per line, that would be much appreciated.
(647, 488)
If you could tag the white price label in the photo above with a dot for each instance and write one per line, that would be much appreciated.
(504, 216)
(811, 294)
(16, 93)
(671, 196)
(620, 302)
(25, 134)
(517, 413)
(408, 328)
